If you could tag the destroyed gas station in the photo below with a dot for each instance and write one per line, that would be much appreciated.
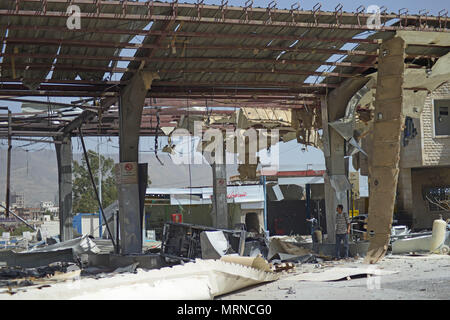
(370, 90)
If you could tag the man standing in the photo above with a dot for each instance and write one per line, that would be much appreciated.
(342, 230)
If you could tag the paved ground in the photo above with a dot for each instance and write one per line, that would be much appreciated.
(419, 277)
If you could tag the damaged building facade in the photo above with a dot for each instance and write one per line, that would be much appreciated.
(424, 178)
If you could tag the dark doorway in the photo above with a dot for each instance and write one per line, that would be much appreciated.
(288, 217)
(252, 222)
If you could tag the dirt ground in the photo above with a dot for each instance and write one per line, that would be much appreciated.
(418, 277)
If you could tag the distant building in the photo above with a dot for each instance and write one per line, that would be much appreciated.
(29, 213)
(17, 200)
(49, 206)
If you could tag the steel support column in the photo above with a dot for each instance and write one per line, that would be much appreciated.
(64, 160)
(333, 107)
(131, 104)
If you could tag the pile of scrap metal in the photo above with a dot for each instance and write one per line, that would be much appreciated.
(42, 264)
(15, 277)
(435, 241)
(281, 125)
(187, 242)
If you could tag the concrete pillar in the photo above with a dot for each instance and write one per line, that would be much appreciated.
(64, 161)
(219, 200)
(385, 151)
(333, 108)
(405, 198)
(131, 104)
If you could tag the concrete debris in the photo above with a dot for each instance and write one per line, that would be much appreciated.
(416, 242)
(308, 258)
(284, 266)
(254, 262)
(199, 280)
(336, 274)
(79, 245)
(128, 269)
(288, 245)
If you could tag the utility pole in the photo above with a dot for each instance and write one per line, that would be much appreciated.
(99, 190)
(8, 163)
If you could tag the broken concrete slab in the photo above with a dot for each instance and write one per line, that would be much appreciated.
(288, 245)
(335, 274)
(258, 263)
(202, 279)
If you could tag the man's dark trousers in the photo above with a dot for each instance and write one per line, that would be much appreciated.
(339, 239)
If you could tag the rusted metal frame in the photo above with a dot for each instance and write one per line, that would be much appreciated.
(248, 5)
(421, 13)
(404, 12)
(232, 95)
(223, 9)
(294, 92)
(168, 4)
(253, 60)
(207, 20)
(224, 93)
(295, 8)
(441, 14)
(260, 71)
(69, 67)
(234, 84)
(314, 12)
(178, 104)
(359, 11)
(199, 6)
(211, 7)
(338, 14)
(45, 66)
(190, 34)
(20, 86)
(53, 81)
(270, 7)
(126, 45)
(188, 59)
(383, 13)
(44, 93)
(200, 95)
(171, 84)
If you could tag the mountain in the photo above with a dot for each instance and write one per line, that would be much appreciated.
(35, 173)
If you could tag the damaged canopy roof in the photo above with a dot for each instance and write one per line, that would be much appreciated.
(198, 50)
